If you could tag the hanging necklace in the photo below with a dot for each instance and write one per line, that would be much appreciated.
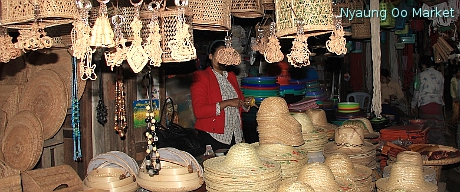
(120, 108)
(101, 108)
(75, 110)
(152, 159)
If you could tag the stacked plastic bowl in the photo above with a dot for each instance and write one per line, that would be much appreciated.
(293, 92)
(259, 88)
(348, 110)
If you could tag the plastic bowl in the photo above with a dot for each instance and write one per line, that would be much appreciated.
(348, 105)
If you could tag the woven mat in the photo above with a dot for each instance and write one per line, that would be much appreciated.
(23, 142)
(44, 95)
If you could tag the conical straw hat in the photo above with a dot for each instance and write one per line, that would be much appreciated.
(349, 139)
(342, 166)
(319, 177)
(282, 129)
(318, 118)
(273, 106)
(279, 152)
(292, 185)
(405, 176)
(410, 157)
(365, 124)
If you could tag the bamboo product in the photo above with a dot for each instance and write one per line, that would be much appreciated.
(62, 178)
(22, 143)
(361, 30)
(247, 8)
(44, 95)
(315, 17)
(268, 5)
(212, 15)
(19, 14)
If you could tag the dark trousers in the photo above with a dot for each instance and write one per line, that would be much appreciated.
(207, 139)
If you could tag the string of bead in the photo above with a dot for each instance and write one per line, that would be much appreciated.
(120, 124)
(75, 112)
(152, 159)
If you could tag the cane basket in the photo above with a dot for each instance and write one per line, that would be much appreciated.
(361, 30)
(168, 30)
(269, 4)
(212, 15)
(247, 8)
(20, 13)
(316, 16)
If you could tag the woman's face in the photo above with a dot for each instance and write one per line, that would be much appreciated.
(214, 62)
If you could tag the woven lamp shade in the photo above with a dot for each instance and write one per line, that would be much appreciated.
(247, 8)
(45, 95)
(316, 15)
(22, 143)
(19, 14)
(212, 15)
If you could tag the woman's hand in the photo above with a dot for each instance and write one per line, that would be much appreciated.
(231, 102)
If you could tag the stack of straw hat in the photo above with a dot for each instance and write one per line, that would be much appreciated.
(290, 159)
(349, 139)
(343, 169)
(405, 177)
(318, 118)
(415, 159)
(315, 137)
(292, 185)
(364, 123)
(179, 171)
(276, 125)
(320, 177)
(241, 170)
(113, 171)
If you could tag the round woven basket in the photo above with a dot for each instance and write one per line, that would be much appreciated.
(22, 144)
(361, 30)
(212, 15)
(59, 61)
(247, 8)
(45, 95)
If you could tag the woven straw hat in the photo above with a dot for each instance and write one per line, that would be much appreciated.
(405, 176)
(320, 178)
(315, 137)
(365, 124)
(44, 94)
(276, 125)
(22, 143)
(290, 159)
(415, 159)
(349, 139)
(292, 185)
(342, 166)
(318, 118)
(241, 170)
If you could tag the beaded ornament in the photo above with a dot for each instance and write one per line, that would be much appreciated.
(102, 34)
(81, 38)
(137, 57)
(272, 51)
(182, 48)
(116, 56)
(75, 112)
(336, 43)
(228, 55)
(120, 123)
(300, 54)
(153, 47)
(7, 48)
(152, 159)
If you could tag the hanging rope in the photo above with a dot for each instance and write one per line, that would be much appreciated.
(75, 110)
(376, 59)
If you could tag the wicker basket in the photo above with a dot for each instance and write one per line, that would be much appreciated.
(128, 14)
(389, 21)
(340, 6)
(212, 15)
(19, 13)
(168, 29)
(362, 30)
(269, 5)
(49, 179)
(357, 5)
(247, 8)
(317, 17)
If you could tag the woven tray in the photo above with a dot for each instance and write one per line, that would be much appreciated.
(212, 15)
(44, 95)
(23, 142)
(49, 179)
(317, 17)
(19, 14)
(446, 161)
(11, 183)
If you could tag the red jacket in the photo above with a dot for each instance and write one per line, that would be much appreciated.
(205, 92)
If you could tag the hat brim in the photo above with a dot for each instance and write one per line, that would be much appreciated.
(331, 147)
(369, 135)
(216, 165)
(361, 172)
(385, 185)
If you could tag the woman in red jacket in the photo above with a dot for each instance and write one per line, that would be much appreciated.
(217, 103)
